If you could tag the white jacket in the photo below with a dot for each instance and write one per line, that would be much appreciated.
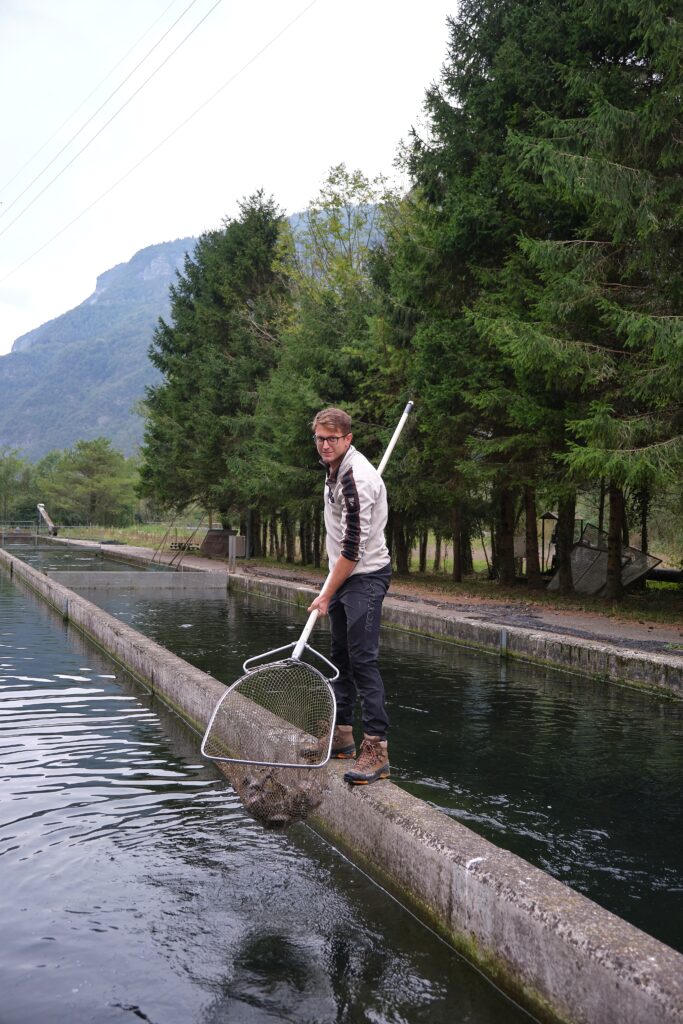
(356, 514)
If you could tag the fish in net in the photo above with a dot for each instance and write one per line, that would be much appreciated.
(277, 797)
(271, 734)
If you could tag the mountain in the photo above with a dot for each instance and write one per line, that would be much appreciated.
(81, 374)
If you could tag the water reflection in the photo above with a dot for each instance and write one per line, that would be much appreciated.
(136, 888)
(581, 778)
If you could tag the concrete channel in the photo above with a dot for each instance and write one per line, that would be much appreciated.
(553, 950)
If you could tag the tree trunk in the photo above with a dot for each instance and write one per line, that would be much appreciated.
(256, 534)
(308, 535)
(276, 546)
(306, 538)
(457, 542)
(289, 540)
(467, 559)
(505, 537)
(614, 590)
(533, 565)
(437, 553)
(424, 538)
(625, 532)
(564, 534)
(302, 540)
(642, 511)
(601, 506)
(644, 516)
(410, 544)
(400, 545)
(494, 552)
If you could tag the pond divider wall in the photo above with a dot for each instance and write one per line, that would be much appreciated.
(553, 950)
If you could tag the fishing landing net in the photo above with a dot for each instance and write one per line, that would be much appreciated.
(271, 736)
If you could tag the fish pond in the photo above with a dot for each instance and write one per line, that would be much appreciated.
(134, 886)
(582, 778)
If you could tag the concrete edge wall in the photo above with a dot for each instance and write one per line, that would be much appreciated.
(655, 671)
(559, 954)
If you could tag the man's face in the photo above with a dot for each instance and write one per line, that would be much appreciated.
(332, 445)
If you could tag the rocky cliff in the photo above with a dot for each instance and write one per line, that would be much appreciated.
(82, 374)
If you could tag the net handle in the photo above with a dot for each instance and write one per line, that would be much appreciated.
(313, 617)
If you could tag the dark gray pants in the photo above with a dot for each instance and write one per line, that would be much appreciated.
(355, 612)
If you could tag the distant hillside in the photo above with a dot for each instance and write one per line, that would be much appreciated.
(80, 375)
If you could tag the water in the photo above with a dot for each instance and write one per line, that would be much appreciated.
(583, 779)
(56, 558)
(134, 887)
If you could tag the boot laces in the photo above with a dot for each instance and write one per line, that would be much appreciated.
(371, 754)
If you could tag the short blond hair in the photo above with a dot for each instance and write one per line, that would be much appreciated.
(335, 419)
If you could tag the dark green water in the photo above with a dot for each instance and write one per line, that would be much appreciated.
(583, 779)
(134, 887)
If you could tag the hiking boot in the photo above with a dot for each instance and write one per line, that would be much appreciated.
(343, 746)
(373, 763)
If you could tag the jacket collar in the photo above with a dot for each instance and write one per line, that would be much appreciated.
(333, 477)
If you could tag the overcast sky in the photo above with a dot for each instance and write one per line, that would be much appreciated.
(303, 86)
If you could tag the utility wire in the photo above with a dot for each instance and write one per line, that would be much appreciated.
(163, 142)
(83, 103)
(93, 116)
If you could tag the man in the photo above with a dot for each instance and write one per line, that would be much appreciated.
(360, 572)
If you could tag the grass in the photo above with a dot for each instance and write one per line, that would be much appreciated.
(144, 535)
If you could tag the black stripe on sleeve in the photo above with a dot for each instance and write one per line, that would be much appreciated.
(350, 545)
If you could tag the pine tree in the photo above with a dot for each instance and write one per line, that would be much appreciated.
(469, 204)
(604, 314)
(324, 357)
(219, 345)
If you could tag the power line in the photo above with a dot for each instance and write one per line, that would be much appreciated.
(163, 142)
(112, 118)
(93, 116)
(83, 102)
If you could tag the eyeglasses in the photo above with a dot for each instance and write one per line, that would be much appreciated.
(320, 441)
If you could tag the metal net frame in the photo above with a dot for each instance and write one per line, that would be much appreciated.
(280, 714)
